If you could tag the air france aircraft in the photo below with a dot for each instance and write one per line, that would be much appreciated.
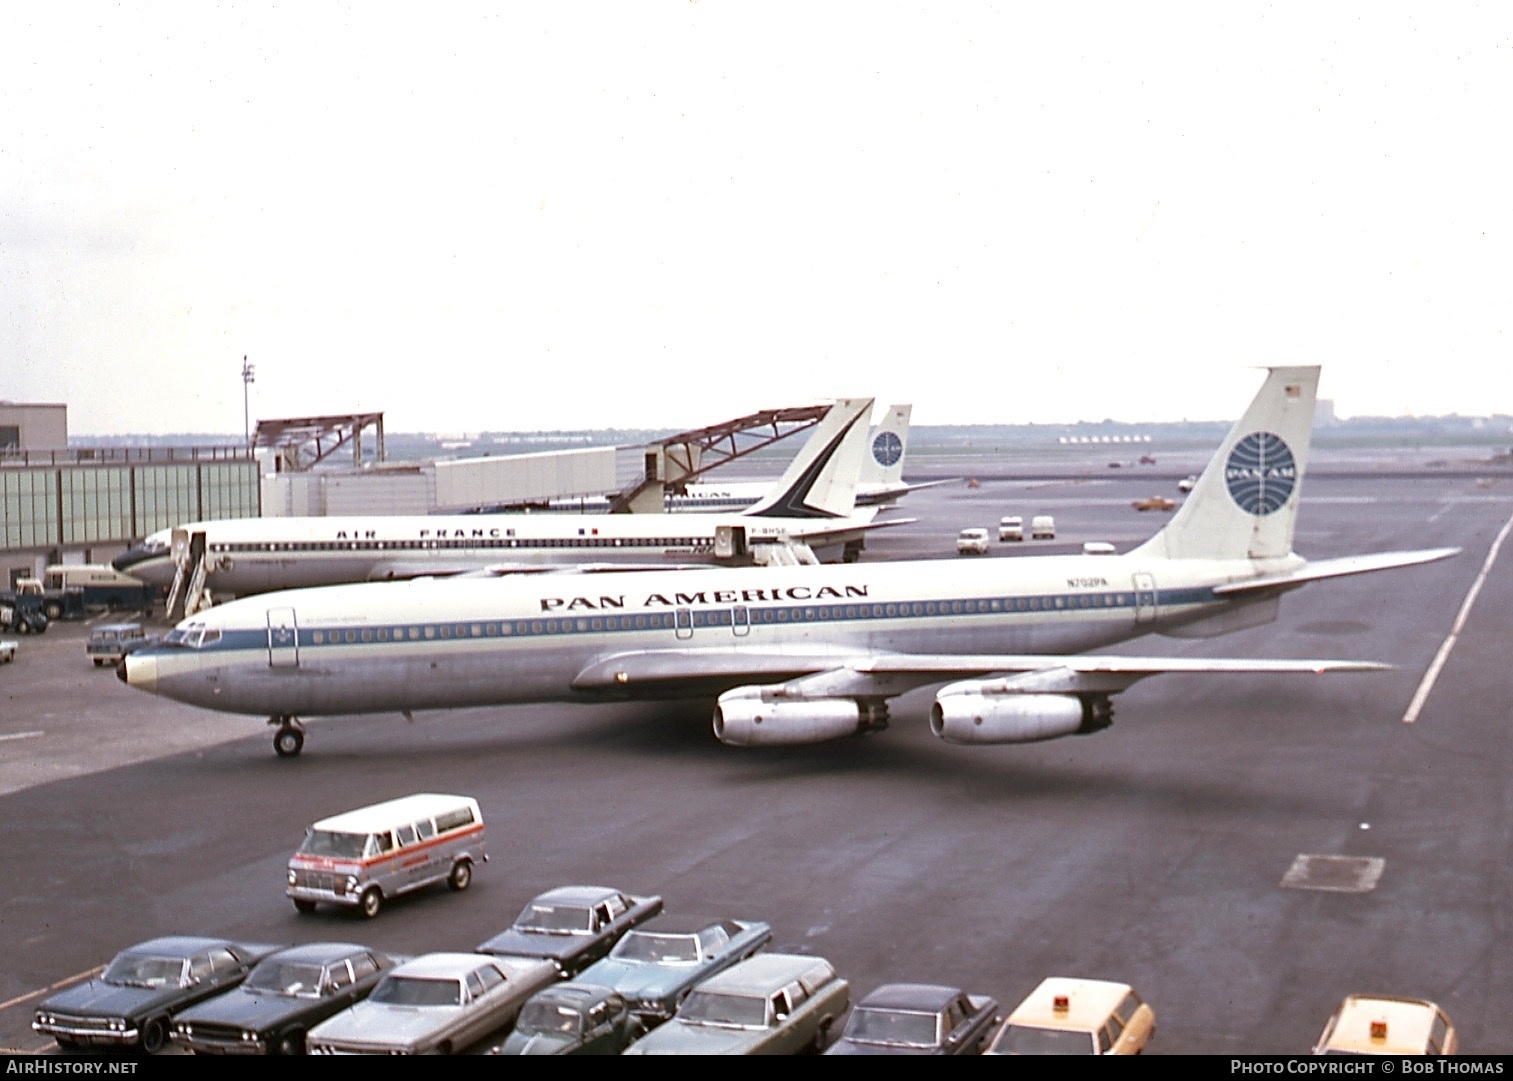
(813, 504)
(795, 654)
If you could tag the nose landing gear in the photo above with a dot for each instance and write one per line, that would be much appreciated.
(289, 740)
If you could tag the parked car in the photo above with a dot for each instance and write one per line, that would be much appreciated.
(133, 1001)
(361, 858)
(771, 1004)
(109, 642)
(972, 542)
(572, 926)
(1011, 528)
(285, 995)
(1042, 527)
(1154, 502)
(1076, 1017)
(572, 1019)
(438, 1003)
(1387, 1025)
(918, 1019)
(658, 963)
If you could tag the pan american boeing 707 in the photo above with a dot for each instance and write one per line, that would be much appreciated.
(795, 654)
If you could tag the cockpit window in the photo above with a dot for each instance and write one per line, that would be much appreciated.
(192, 635)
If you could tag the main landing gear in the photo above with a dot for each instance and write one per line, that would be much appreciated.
(289, 740)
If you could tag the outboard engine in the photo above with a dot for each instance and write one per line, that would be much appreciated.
(963, 713)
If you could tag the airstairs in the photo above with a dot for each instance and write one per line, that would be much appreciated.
(191, 568)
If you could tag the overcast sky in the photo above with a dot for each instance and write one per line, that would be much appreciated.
(664, 214)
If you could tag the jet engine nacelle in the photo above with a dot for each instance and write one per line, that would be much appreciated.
(967, 717)
(743, 718)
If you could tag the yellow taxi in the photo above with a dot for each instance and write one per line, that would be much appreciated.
(1387, 1025)
(1065, 1016)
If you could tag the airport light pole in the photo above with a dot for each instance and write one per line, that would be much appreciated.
(247, 374)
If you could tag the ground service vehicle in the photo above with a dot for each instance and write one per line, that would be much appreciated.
(7, 651)
(572, 926)
(1154, 502)
(109, 642)
(1011, 528)
(100, 586)
(918, 1019)
(133, 1001)
(972, 542)
(21, 613)
(772, 1004)
(364, 857)
(1042, 527)
(285, 994)
(1076, 1017)
(1387, 1025)
(55, 603)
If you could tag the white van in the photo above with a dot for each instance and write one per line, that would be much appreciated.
(361, 858)
(1011, 528)
(1042, 527)
(972, 542)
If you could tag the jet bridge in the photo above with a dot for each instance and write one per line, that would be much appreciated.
(672, 463)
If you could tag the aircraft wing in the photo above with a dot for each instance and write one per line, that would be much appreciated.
(841, 673)
(1335, 568)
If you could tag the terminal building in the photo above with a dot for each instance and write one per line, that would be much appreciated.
(62, 504)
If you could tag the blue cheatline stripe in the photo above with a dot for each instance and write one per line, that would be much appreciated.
(724, 616)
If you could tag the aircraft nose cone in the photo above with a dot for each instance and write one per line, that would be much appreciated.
(149, 565)
(138, 671)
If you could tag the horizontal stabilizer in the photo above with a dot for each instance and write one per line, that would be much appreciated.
(1335, 568)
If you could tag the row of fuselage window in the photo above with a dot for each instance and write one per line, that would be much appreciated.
(737, 618)
(465, 543)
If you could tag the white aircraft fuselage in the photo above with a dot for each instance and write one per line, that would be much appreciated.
(255, 555)
(796, 654)
(442, 643)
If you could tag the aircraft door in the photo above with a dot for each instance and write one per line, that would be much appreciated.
(682, 622)
(1145, 597)
(283, 638)
(740, 620)
(730, 541)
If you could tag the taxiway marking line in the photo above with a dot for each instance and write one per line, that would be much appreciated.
(85, 975)
(21, 735)
(1427, 684)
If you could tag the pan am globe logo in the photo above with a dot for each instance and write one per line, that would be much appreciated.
(1260, 473)
(887, 448)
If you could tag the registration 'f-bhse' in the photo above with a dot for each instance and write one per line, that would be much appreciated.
(795, 654)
